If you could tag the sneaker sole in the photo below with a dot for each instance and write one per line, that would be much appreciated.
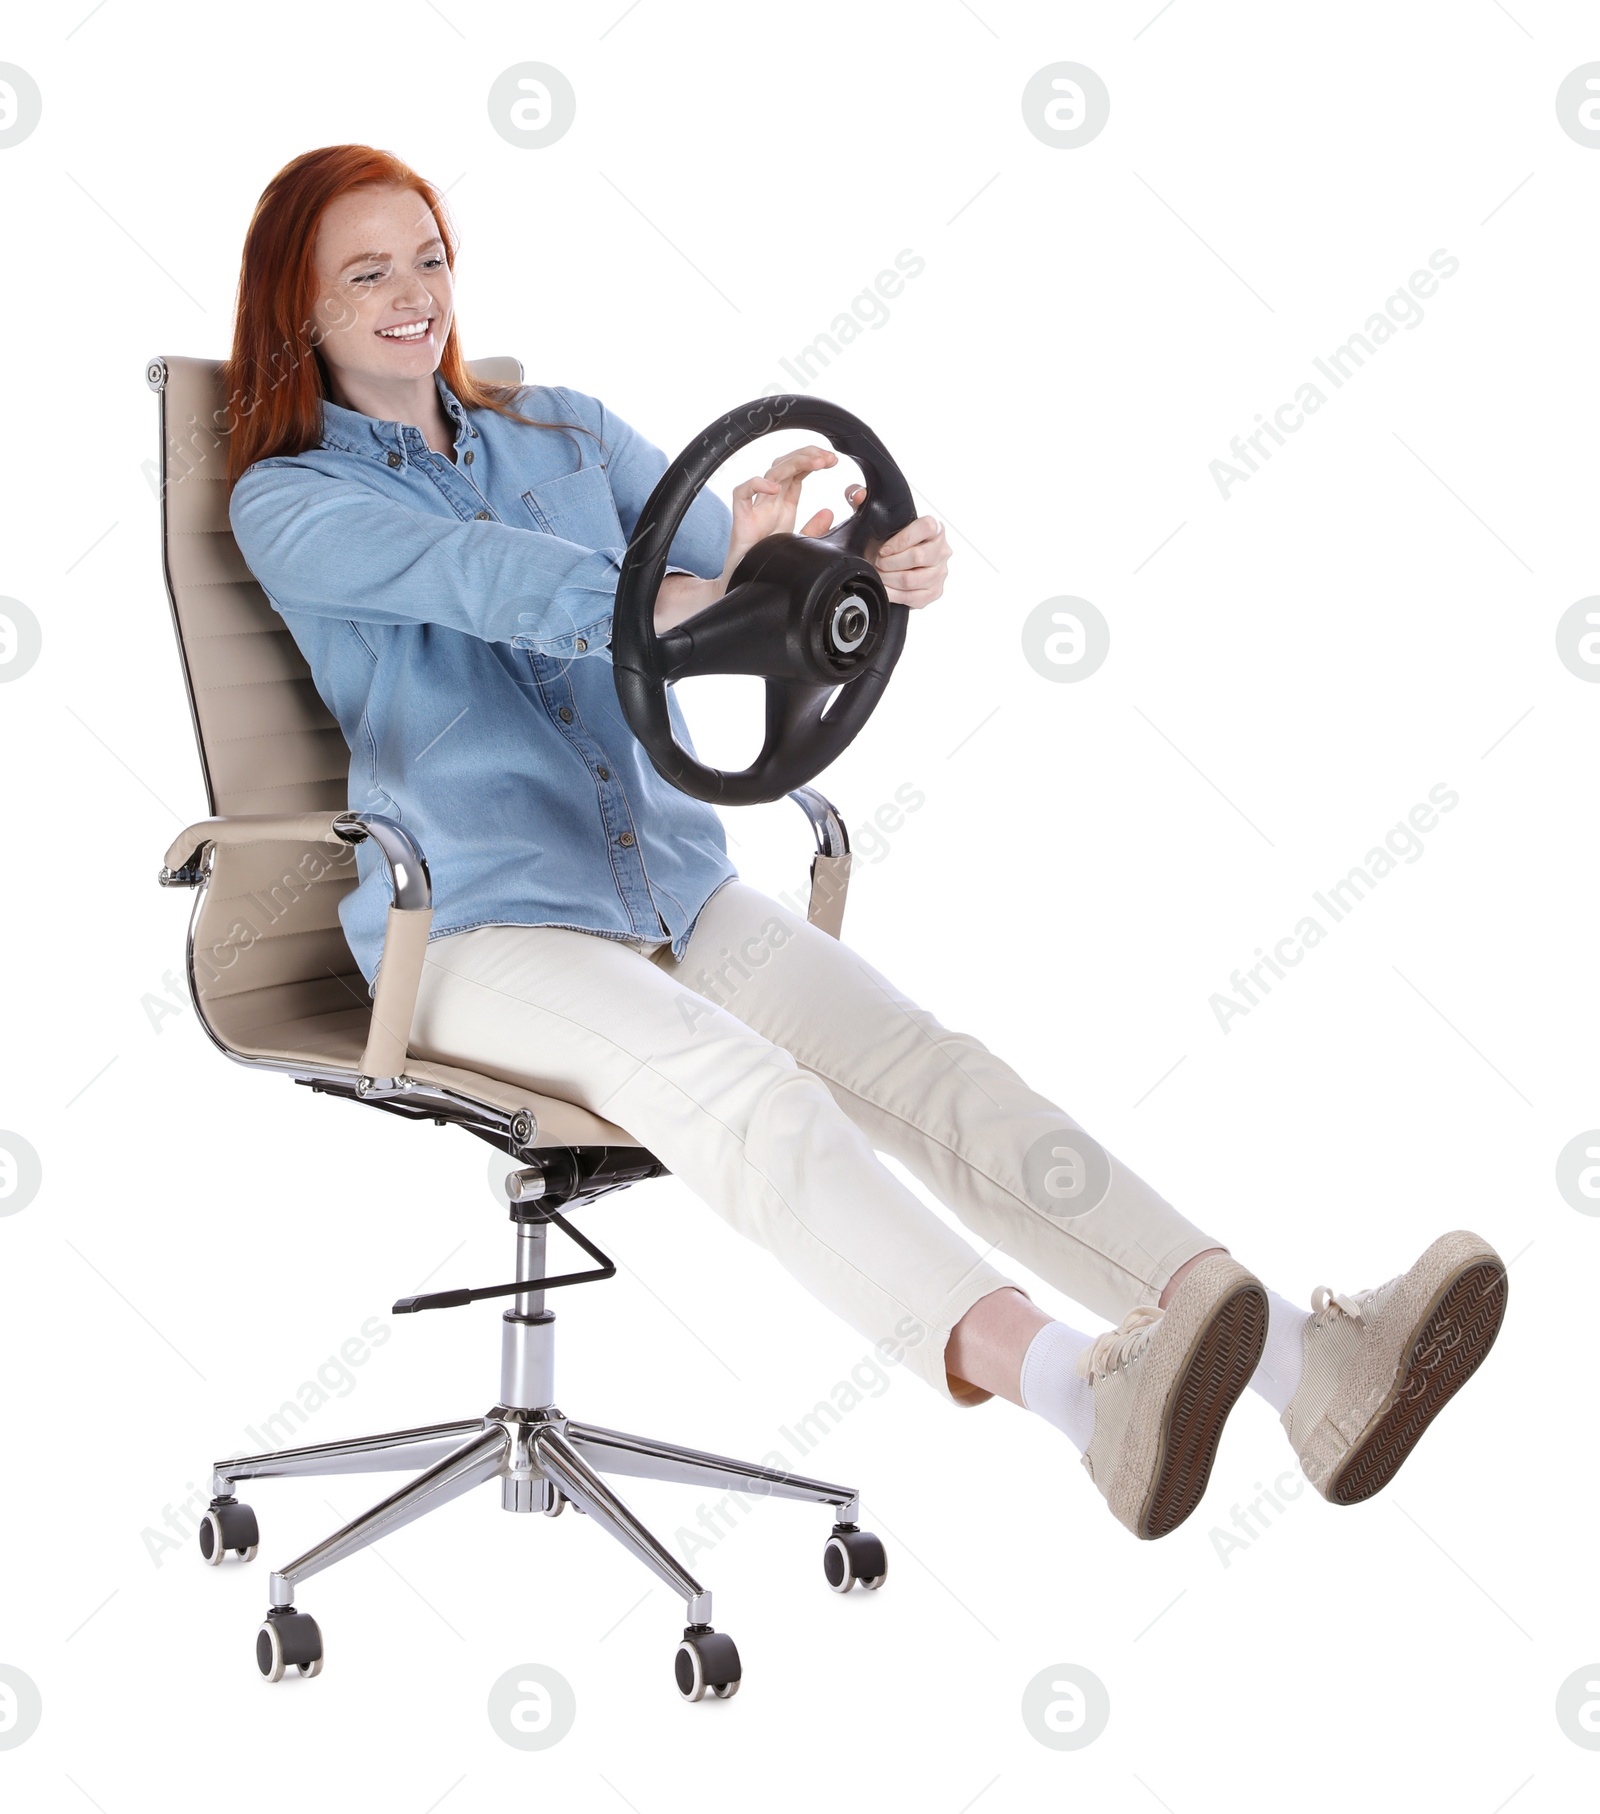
(1449, 1345)
(1207, 1388)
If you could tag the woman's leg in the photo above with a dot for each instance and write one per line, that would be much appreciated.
(1355, 1383)
(1013, 1166)
(733, 1115)
(766, 1144)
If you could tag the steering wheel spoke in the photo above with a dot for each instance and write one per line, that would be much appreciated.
(744, 632)
(794, 710)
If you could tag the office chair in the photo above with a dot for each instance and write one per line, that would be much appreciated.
(276, 987)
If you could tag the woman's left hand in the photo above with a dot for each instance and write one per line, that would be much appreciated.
(913, 561)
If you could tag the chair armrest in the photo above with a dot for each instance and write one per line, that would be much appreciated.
(402, 855)
(405, 940)
(405, 943)
(183, 867)
(830, 867)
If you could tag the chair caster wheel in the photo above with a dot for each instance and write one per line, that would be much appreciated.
(854, 1555)
(288, 1639)
(706, 1659)
(226, 1526)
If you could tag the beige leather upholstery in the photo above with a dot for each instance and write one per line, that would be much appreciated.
(257, 828)
(274, 978)
(830, 878)
(394, 1001)
(267, 742)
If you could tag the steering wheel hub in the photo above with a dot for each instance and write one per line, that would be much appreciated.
(847, 629)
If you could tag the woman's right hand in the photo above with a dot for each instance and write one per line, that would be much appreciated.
(768, 506)
(761, 507)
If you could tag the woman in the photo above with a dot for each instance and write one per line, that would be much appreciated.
(446, 554)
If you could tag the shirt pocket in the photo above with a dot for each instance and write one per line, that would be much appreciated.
(578, 507)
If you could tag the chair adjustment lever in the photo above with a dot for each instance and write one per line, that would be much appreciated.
(453, 1300)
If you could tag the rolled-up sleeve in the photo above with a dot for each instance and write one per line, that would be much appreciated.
(323, 545)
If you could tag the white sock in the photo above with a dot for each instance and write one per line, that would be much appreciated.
(1277, 1375)
(1052, 1386)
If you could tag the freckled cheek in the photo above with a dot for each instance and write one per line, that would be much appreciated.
(336, 314)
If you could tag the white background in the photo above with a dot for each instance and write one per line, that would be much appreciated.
(1371, 614)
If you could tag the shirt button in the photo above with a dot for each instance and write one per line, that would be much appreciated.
(626, 840)
(581, 644)
(467, 456)
(565, 714)
(394, 459)
(603, 773)
(481, 517)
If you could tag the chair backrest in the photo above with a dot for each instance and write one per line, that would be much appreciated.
(267, 742)
(273, 972)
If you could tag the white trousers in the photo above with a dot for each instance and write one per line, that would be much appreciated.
(767, 1070)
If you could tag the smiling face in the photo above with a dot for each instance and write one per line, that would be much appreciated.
(386, 298)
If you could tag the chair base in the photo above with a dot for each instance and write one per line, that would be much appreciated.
(543, 1461)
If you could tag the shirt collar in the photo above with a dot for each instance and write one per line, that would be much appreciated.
(353, 432)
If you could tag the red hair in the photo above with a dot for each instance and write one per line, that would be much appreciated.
(275, 379)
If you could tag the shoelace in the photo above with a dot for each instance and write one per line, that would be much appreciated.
(1325, 1301)
(1114, 1348)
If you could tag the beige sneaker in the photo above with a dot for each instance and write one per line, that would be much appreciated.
(1164, 1383)
(1379, 1364)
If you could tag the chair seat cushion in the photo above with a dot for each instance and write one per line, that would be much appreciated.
(335, 1041)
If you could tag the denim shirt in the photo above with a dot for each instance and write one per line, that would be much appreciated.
(456, 618)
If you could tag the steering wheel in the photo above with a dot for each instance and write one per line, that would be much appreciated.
(808, 614)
